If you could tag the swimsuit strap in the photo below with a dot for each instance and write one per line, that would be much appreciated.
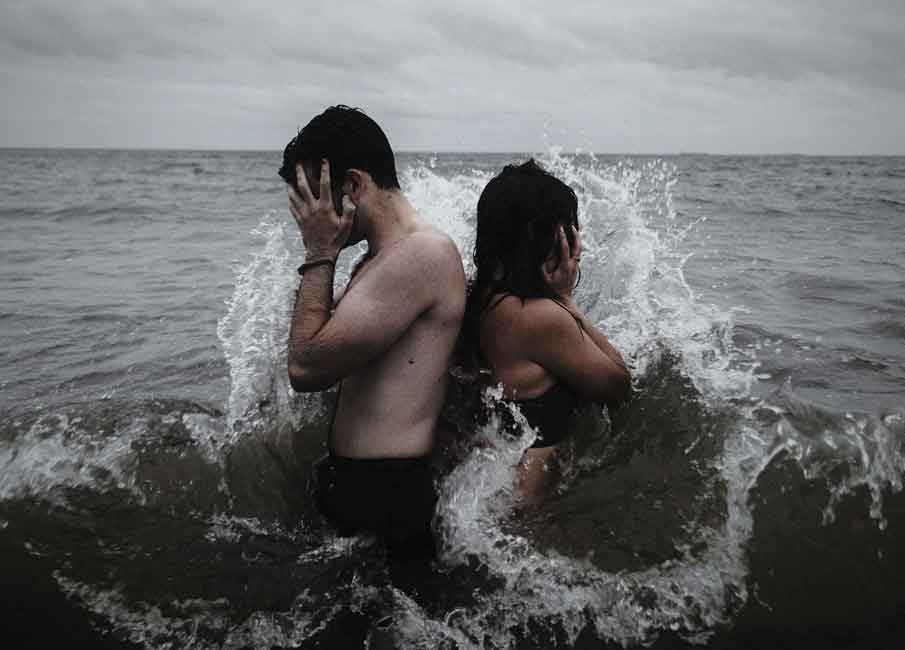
(504, 294)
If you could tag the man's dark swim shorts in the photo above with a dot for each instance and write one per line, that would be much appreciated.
(392, 497)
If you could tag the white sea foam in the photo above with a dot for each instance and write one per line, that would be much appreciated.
(201, 624)
(57, 453)
(209, 435)
(869, 450)
(229, 528)
(145, 624)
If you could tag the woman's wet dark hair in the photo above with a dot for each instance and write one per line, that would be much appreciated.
(519, 214)
(348, 139)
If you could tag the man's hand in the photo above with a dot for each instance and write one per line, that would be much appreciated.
(561, 276)
(324, 232)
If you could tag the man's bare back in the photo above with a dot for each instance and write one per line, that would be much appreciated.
(389, 407)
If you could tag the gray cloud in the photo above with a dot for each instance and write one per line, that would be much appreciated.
(774, 40)
(816, 76)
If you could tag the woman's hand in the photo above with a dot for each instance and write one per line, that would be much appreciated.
(324, 232)
(561, 276)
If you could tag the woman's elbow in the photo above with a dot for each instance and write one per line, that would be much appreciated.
(623, 386)
(618, 389)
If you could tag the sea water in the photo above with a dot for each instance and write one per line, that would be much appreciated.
(154, 463)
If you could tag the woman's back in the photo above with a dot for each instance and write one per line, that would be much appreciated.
(505, 339)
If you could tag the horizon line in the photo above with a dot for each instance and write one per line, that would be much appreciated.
(578, 151)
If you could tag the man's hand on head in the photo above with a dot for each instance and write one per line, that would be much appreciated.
(324, 232)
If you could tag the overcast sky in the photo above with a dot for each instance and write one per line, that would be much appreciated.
(721, 76)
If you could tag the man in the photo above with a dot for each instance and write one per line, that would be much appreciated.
(387, 342)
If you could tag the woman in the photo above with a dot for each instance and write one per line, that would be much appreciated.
(521, 322)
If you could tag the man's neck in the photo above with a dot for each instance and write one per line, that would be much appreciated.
(391, 219)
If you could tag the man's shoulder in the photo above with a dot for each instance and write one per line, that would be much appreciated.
(433, 254)
(435, 270)
(425, 264)
(432, 241)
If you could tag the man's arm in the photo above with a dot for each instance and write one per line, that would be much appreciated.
(372, 316)
(311, 312)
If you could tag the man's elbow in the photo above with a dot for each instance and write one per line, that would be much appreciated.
(304, 379)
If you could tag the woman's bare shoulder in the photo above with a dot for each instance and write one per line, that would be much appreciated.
(513, 316)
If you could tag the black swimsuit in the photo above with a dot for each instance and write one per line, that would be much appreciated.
(551, 414)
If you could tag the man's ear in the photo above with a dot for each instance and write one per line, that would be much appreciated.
(353, 184)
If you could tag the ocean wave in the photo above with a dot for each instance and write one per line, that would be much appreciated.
(888, 327)
(215, 541)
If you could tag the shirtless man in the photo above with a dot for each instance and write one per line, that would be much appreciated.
(388, 341)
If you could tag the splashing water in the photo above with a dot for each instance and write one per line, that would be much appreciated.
(56, 453)
(633, 286)
(254, 329)
(254, 333)
(848, 450)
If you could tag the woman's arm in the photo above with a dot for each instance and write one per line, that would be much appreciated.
(552, 339)
(591, 365)
(601, 341)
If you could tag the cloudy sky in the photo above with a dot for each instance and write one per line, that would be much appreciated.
(721, 76)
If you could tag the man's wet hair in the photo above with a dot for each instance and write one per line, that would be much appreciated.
(348, 139)
(519, 214)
